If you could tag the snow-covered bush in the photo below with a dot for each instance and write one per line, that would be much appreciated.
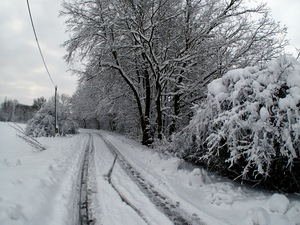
(249, 125)
(42, 124)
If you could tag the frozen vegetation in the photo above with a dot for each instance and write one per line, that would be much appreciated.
(249, 125)
(43, 122)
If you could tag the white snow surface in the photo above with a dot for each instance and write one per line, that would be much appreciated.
(42, 187)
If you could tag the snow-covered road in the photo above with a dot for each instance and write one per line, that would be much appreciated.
(98, 177)
(114, 185)
(105, 204)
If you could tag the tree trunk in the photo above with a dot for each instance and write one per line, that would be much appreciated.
(158, 110)
(84, 123)
(144, 123)
(188, 9)
(147, 139)
(173, 126)
(98, 123)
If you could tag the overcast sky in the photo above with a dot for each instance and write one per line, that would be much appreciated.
(22, 73)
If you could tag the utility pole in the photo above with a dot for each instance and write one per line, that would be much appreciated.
(55, 109)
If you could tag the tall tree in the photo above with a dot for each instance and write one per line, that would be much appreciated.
(167, 51)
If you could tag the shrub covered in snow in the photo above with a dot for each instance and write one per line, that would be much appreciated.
(42, 124)
(249, 125)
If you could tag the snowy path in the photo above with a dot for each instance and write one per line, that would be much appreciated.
(112, 185)
(79, 180)
(99, 202)
(119, 189)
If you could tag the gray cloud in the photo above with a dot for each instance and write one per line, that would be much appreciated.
(287, 13)
(22, 75)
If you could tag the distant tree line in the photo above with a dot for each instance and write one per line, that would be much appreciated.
(13, 111)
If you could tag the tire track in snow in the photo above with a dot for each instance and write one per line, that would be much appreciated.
(85, 217)
(123, 198)
(87, 187)
(162, 202)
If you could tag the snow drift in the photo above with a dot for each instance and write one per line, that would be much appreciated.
(249, 125)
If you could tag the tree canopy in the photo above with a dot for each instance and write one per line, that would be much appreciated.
(165, 52)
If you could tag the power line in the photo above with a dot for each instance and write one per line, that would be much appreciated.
(55, 120)
(39, 44)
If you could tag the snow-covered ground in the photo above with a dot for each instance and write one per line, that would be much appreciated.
(43, 187)
(37, 187)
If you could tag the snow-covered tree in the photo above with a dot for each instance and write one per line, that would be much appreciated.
(167, 51)
(249, 124)
(42, 124)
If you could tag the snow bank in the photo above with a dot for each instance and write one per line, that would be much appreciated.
(37, 187)
(198, 177)
(278, 203)
(171, 165)
(260, 217)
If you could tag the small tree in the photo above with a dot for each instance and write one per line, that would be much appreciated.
(42, 124)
